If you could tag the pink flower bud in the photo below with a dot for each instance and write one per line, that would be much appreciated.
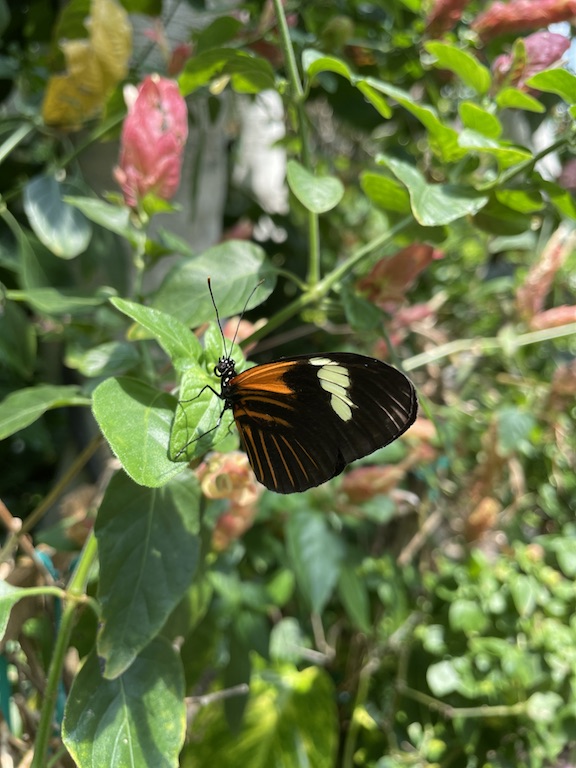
(153, 138)
(540, 51)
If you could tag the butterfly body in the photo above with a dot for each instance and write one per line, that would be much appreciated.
(302, 419)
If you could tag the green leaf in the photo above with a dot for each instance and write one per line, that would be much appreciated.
(108, 359)
(558, 81)
(138, 719)
(443, 140)
(512, 98)
(217, 33)
(462, 64)
(25, 406)
(524, 593)
(148, 542)
(17, 340)
(235, 267)
(287, 642)
(114, 218)
(62, 228)
(54, 301)
(290, 720)
(514, 427)
(317, 194)
(354, 596)
(543, 707)
(385, 192)
(467, 616)
(194, 431)
(175, 338)
(480, 120)
(434, 204)
(316, 553)
(136, 419)
(506, 155)
(9, 596)
(443, 678)
(522, 199)
(247, 73)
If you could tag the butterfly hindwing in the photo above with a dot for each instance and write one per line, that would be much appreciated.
(303, 419)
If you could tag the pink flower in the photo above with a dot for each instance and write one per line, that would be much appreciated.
(153, 138)
(522, 16)
(529, 56)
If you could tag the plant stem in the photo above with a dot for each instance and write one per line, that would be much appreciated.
(487, 345)
(321, 289)
(361, 697)
(76, 589)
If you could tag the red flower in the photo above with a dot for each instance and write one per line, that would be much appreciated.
(529, 55)
(153, 139)
(522, 16)
(444, 16)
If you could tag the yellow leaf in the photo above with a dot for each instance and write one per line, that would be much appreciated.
(111, 37)
(93, 67)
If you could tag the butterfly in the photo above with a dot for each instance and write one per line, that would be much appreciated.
(303, 419)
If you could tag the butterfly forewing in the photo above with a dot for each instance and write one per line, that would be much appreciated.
(303, 419)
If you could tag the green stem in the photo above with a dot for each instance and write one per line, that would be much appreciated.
(361, 698)
(76, 589)
(321, 289)
(298, 101)
(483, 710)
(488, 345)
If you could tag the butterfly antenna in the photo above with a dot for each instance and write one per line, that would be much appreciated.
(252, 292)
(218, 319)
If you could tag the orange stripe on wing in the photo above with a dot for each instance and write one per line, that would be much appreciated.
(267, 377)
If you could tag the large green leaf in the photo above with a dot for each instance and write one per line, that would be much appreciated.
(316, 553)
(148, 541)
(137, 720)
(317, 194)
(558, 81)
(23, 407)
(235, 267)
(136, 420)
(174, 337)
(247, 73)
(462, 64)
(434, 204)
(290, 721)
(62, 228)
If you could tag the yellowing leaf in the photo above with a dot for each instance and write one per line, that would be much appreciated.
(111, 37)
(93, 67)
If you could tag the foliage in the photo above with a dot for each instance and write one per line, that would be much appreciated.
(418, 610)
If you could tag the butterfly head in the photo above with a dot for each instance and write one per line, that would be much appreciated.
(225, 369)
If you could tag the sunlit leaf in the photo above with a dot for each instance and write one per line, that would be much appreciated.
(138, 719)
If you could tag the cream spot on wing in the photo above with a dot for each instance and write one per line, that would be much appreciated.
(335, 379)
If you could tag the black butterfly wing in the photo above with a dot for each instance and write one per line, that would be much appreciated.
(303, 419)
